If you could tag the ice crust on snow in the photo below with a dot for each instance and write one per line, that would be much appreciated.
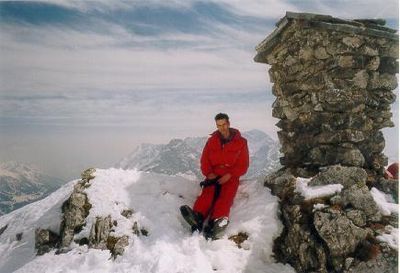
(169, 247)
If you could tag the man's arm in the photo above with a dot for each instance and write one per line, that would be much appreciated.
(205, 163)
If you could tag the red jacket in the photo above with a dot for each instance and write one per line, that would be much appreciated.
(232, 157)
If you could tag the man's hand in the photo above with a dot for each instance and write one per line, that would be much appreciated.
(225, 178)
(211, 176)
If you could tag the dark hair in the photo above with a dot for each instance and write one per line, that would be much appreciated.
(221, 116)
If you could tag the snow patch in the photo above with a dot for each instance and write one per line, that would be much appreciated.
(319, 206)
(384, 202)
(391, 237)
(317, 191)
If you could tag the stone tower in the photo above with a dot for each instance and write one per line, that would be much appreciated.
(333, 82)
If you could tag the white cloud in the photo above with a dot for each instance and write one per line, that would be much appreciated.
(259, 8)
(68, 60)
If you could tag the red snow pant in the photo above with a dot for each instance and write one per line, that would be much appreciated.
(222, 205)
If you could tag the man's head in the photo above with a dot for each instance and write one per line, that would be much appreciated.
(222, 122)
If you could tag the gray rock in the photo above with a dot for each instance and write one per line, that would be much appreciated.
(391, 51)
(45, 240)
(348, 262)
(306, 53)
(369, 51)
(289, 113)
(320, 53)
(357, 217)
(359, 197)
(337, 174)
(374, 63)
(119, 246)
(360, 79)
(75, 211)
(346, 61)
(388, 186)
(101, 237)
(88, 174)
(340, 136)
(336, 200)
(352, 157)
(297, 244)
(382, 81)
(338, 232)
(382, 259)
(100, 232)
(127, 213)
(352, 41)
(280, 182)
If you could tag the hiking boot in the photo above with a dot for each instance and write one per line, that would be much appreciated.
(194, 219)
(215, 228)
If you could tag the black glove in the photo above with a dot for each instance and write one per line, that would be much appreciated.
(209, 182)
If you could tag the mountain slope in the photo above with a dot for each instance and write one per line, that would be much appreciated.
(21, 184)
(168, 247)
(183, 156)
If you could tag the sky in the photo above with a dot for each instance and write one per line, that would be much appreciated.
(82, 83)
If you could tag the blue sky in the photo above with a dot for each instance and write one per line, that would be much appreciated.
(83, 82)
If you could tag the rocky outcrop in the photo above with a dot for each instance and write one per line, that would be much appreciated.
(324, 234)
(299, 244)
(46, 240)
(372, 258)
(75, 212)
(339, 233)
(99, 232)
(333, 82)
(100, 236)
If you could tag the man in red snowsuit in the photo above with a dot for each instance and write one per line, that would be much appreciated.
(224, 159)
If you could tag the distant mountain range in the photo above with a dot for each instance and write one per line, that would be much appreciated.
(182, 156)
(21, 184)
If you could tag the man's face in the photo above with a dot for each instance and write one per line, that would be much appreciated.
(223, 126)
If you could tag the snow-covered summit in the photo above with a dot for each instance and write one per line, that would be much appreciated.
(182, 156)
(168, 246)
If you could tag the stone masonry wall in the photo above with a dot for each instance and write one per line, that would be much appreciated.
(333, 93)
